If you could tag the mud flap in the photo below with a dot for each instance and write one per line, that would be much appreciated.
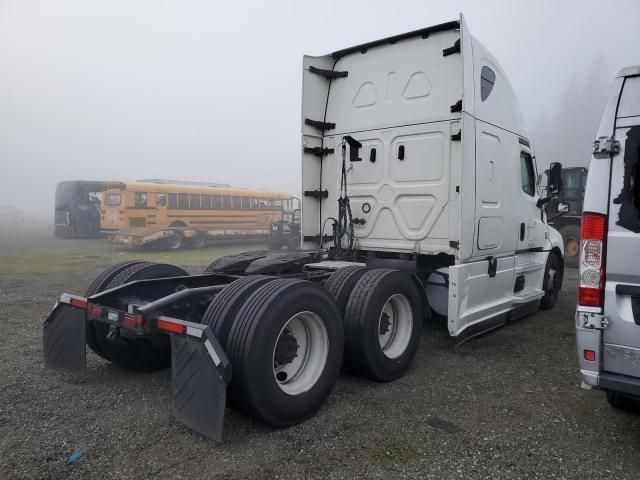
(64, 340)
(200, 372)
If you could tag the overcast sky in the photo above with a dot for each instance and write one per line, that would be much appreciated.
(210, 90)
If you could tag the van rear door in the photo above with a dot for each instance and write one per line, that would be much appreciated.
(621, 340)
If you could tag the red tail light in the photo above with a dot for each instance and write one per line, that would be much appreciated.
(131, 321)
(172, 327)
(592, 251)
(78, 302)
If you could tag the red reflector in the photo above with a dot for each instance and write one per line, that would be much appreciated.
(78, 302)
(593, 226)
(590, 355)
(590, 297)
(95, 311)
(131, 321)
(171, 327)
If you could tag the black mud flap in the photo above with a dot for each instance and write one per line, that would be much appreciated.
(64, 339)
(200, 372)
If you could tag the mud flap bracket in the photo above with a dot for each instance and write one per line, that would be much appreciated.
(64, 340)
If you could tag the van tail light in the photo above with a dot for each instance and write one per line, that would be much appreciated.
(592, 252)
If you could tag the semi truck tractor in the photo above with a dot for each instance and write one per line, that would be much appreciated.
(419, 201)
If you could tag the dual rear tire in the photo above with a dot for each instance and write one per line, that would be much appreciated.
(143, 354)
(285, 340)
(382, 312)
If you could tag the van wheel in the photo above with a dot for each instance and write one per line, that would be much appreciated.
(552, 283)
(144, 354)
(223, 309)
(98, 285)
(621, 402)
(382, 325)
(286, 347)
(341, 282)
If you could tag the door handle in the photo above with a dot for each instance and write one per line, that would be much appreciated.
(522, 231)
(401, 152)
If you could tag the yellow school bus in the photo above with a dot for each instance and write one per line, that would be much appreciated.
(142, 212)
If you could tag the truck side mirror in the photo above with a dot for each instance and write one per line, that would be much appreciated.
(563, 207)
(555, 178)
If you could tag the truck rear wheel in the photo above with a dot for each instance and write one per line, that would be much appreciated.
(223, 309)
(98, 285)
(144, 354)
(341, 282)
(286, 347)
(173, 241)
(382, 325)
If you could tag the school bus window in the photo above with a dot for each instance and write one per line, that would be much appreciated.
(113, 200)
(173, 200)
(183, 201)
(237, 203)
(206, 201)
(161, 199)
(246, 203)
(255, 203)
(140, 200)
(226, 201)
(277, 204)
(194, 201)
(216, 201)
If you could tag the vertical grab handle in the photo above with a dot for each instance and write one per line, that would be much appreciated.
(401, 152)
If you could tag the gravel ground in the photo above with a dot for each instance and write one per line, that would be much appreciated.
(505, 405)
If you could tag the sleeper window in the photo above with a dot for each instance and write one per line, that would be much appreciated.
(487, 80)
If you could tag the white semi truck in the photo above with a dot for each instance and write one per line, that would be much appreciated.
(420, 200)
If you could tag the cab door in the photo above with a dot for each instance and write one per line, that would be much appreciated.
(529, 225)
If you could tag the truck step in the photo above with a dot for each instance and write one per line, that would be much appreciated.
(527, 295)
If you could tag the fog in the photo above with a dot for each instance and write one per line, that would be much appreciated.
(210, 91)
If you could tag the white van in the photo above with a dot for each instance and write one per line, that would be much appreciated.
(608, 312)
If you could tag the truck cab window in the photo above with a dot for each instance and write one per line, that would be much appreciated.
(527, 174)
(140, 200)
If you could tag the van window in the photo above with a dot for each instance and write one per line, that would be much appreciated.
(113, 200)
(140, 200)
(487, 80)
(173, 200)
(630, 99)
(527, 174)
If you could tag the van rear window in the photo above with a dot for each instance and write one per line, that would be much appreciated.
(630, 99)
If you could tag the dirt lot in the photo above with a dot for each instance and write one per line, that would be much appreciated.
(506, 405)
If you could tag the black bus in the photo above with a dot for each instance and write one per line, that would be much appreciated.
(77, 209)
